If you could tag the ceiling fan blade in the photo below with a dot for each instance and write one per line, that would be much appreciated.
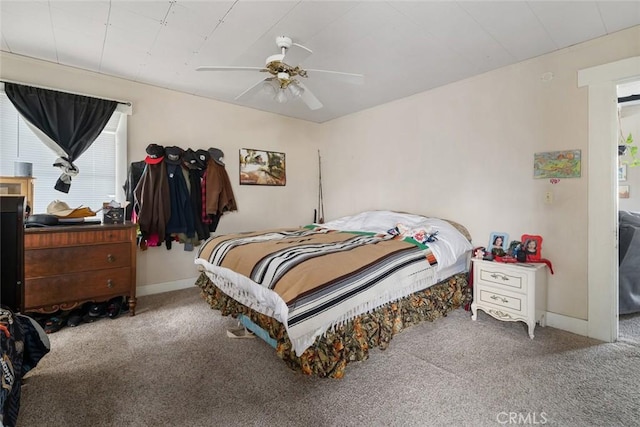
(227, 68)
(356, 79)
(252, 90)
(309, 98)
(296, 54)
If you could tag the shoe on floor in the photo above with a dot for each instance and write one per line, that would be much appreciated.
(98, 309)
(114, 307)
(76, 315)
(240, 332)
(55, 322)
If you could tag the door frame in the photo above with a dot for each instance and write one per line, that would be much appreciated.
(602, 81)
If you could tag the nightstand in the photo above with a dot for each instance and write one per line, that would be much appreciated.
(510, 291)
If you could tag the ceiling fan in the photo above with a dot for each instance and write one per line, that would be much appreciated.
(284, 80)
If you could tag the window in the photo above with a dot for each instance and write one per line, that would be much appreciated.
(100, 178)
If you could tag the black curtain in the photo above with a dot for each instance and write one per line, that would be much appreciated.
(71, 122)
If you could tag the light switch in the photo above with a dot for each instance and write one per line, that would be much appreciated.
(548, 197)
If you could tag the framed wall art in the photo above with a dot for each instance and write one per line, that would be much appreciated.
(557, 164)
(623, 191)
(622, 173)
(261, 167)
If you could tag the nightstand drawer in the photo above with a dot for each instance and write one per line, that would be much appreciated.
(511, 302)
(503, 277)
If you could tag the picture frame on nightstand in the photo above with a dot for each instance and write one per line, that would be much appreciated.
(532, 246)
(498, 240)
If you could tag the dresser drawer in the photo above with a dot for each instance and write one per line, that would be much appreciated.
(503, 277)
(44, 239)
(47, 291)
(55, 261)
(515, 303)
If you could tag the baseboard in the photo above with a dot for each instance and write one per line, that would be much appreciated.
(569, 324)
(158, 288)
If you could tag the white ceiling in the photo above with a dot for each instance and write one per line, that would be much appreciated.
(401, 47)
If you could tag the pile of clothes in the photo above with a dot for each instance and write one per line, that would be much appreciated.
(178, 195)
(22, 344)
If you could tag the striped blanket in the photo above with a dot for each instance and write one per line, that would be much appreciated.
(311, 279)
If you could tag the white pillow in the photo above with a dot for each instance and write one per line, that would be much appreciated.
(374, 221)
(451, 244)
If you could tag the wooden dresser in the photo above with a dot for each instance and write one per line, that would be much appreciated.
(66, 266)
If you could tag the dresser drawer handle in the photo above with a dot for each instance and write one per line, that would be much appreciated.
(495, 297)
(109, 283)
(111, 258)
(500, 276)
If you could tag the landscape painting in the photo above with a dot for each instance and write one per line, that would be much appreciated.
(557, 164)
(260, 167)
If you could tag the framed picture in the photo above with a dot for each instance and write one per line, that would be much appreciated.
(498, 240)
(532, 246)
(557, 164)
(622, 173)
(260, 167)
(623, 191)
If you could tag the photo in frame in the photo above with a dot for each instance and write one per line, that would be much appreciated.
(532, 246)
(261, 167)
(498, 240)
(622, 173)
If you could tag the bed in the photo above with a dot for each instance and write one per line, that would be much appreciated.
(324, 294)
(629, 262)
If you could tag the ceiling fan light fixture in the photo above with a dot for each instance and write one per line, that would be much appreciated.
(268, 88)
(295, 90)
(281, 96)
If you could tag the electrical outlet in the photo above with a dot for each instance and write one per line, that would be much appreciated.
(548, 197)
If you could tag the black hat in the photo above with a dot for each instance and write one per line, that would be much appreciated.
(173, 155)
(217, 155)
(155, 154)
(189, 159)
(202, 157)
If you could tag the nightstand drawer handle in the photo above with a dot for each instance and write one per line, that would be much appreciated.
(111, 258)
(504, 300)
(109, 283)
(496, 276)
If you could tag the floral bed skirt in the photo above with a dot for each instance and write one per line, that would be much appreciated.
(350, 342)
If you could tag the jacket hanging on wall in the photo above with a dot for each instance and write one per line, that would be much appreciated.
(152, 196)
(219, 198)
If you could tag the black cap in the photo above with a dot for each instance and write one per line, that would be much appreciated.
(155, 154)
(217, 155)
(173, 155)
(202, 156)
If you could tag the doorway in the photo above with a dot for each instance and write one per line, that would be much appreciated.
(602, 269)
(629, 212)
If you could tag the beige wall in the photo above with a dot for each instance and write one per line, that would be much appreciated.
(463, 151)
(172, 118)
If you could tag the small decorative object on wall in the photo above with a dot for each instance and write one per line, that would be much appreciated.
(622, 173)
(557, 164)
(260, 167)
(532, 246)
(498, 243)
(623, 191)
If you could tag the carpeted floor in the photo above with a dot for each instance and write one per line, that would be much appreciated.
(173, 365)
